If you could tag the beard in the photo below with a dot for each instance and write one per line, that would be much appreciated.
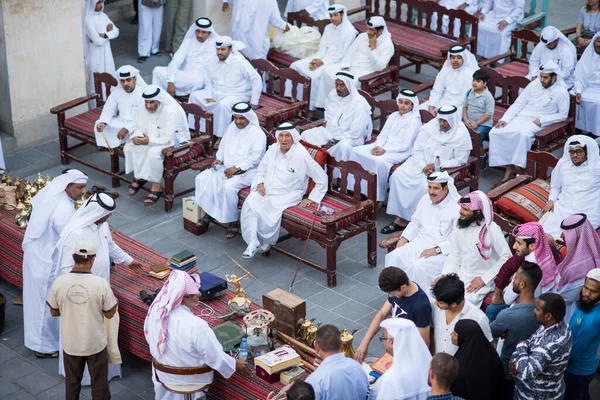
(516, 289)
(465, 223)
(584, 305)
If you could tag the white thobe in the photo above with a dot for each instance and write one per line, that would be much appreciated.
(332, 47)
(39, 271)
(146, 161)
(120, 111)
(563, 55)
(588, 112)
(472, 8)
(190, 343)
(187, 68)
(256, 37)
(107, 250)
(99, 56)
(215, 193)
(465, 260)
(396, 138)
(492, 41)
(149, 29)
(431, 225)
(450, 88)
(360, 60)
(227, 82)
(408, 183)
(2, 164)
(574, 191)
(285, 187)
(509, 145)
(317, 9)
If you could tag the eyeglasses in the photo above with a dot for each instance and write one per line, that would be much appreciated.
(576, 152)
(383, 339)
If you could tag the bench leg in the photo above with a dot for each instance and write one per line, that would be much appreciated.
(114, 168)
(169, 191)
(331, 266)
(64, 147)
(372, 247)
(418, 68)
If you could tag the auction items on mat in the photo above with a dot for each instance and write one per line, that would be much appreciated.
(212, 285)
(148, 298)
(270, 365)
(18, 194)
(382, 364)
(229, 334)
(184, 261)
(347, 348)
(293, 375)
(289, 310)
(159, 271)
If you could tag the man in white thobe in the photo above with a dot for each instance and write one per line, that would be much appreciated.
(497, 20)
(370, 52)
(89, 223)
(336, 39)
(120, 113)
(393, 145)
(178, 338)
(52, 208)
(317, 9)
(425, 243)
(453, 81)
(542, 103)
(159, 122)
(470, 6)
(478, 248)
(444, 137)
(347, 119)
(574, 185)
(250, 22)
(187, 70)
(587, 88)
(240, 152)
(230, 80)
(149, 30)
(280, 182)
(553, 46)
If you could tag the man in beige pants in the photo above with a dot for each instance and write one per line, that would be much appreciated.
(176, 22)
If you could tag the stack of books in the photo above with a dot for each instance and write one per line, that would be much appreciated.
(270, 365)
(184, 261)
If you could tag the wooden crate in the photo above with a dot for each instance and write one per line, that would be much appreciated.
(288, 309)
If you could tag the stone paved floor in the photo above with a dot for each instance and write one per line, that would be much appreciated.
(351, 304)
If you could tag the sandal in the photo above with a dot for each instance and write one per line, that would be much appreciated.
(152, 198)
(46, 355)
(391, 228)
(205, 221)
(140, 183)
(232, 230)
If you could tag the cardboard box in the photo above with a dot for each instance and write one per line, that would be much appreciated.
(288, 309)
(191, 211)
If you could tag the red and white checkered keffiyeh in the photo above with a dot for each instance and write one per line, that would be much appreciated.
(583, 251)
(178, 285)
(543, 253)
(479, 201)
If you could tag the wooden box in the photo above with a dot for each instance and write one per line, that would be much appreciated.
(288, 309)
(193, 227)
(265, 376)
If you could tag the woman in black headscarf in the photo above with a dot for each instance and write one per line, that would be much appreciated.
(480, 371)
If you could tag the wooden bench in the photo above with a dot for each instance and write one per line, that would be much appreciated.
(522, 43)
(81, 128)
(417, 41)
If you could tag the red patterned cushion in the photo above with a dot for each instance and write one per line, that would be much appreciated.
(280, 59)
(193, 154)
(376, 83)
(319, 155)
(513, 68)
(498, 113)
(270, 104)
(527, 202)
(84, 123)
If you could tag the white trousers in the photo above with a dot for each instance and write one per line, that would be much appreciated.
(588, 112)
(303, 66)
(221, 110)
(185, 82)
(492, 41)
(509, 145)
(110, 133)
(149, 29)
(145, 161)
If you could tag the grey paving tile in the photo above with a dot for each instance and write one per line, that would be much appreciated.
(364, 293)
(352, 310)
(31, 156)
(135, 380)
(12, 338)
(37, 382)
(306, 288)
(7, 388)
(351, 267)
(50, 365)
(328, 299)
(14, 164)
(345, 323)
(369, 276)
(54, 393)
(51, 148)
(321, 314)
(366, 320)
(6, 353)
(115, 387)
(17, 368)
(21, 395)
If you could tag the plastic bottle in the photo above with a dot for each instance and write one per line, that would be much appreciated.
(243, 350)
(326, 210)
(176, 143)
(257, 354)
(438, 164)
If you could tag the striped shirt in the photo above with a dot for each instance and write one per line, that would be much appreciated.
(541, 361)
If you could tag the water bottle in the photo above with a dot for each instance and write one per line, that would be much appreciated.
(176, 139)
(326, 210)
(243, 350)
(438, 164)
(257, 354)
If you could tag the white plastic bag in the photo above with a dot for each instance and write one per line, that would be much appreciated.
(297, 42)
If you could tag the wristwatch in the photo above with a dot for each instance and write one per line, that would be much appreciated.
(438, 250)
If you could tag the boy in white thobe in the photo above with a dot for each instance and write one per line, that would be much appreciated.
(53, 207)
(240, 152)
(497, 20)
(120, 113)
(574, 185)
(587, 88)
(149, 30)
(445, 137)
(543, 102)
(230, 80)
(336, 39)
(393, 145)
(425, 243)
(317, 9)
(186, 71)
(371, 51)
(553, 46)
(478, 249)
(347, 117)
(250, 22)
(89, 223)
(280, 182)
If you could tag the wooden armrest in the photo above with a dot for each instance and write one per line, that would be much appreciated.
(170, 151)
(357, 10)
(552, 127)
(378, 74)
(532, 18)
(506, 187)
(569, 31)
(463, 42)
(338, 216)
(390, 241)
(204, 164)
(423, 87)
(487, 61)
(291, 106)
(74, 103)
(311, 125)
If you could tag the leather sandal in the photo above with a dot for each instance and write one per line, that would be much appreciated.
(140, 183)
(149, 200)
(391, 228)
(232, 230)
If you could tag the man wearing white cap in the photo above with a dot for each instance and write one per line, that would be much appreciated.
(425, 243)
(370, 52)
(347, 117)
(497, 20)
(150, 16)
(280, 182)
(317, 9)
(187, 69)
(543, 102)
(453, 81)
(233, 169)
(250, 22)
(120, 113)
(336, 39)
(444, 137)
(587, 88)
(158, 123)
(228, 81)
(89, 223)
(553, 46)
(83, 301)
(52, 208)
(178, 338)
